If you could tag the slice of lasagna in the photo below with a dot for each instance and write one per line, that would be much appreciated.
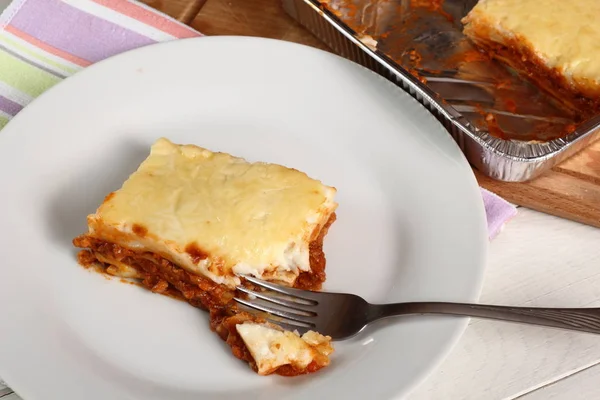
(555, 43)
(188, 221)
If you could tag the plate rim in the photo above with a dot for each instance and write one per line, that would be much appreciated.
(475, 290)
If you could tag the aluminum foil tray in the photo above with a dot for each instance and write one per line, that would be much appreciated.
(507, 127)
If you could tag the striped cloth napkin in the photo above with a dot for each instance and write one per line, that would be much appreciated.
(45, 41)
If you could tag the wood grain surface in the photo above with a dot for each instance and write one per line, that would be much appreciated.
(538, 260)
(182, 10)
(565, 389)
(263, 18)
(571, 190)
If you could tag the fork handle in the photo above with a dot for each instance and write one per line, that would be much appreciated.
(579, 319)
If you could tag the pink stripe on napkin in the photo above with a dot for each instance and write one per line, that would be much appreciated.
(149, 17)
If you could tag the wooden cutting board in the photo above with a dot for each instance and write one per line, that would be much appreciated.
(570, 190)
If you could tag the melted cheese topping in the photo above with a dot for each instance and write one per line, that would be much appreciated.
(271, 348)
(564, 34)
(216, 214)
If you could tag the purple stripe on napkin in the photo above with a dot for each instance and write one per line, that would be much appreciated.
(9, 106)
(498, 212)
(86, 34)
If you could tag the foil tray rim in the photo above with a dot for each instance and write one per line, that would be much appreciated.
(539, 155)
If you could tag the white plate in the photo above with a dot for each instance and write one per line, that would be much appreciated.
(410, 226)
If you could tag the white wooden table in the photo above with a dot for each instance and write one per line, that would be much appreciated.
(538, 260)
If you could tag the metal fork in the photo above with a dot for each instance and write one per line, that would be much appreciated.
(341, 315)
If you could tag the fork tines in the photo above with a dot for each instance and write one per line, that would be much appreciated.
(287, 307)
